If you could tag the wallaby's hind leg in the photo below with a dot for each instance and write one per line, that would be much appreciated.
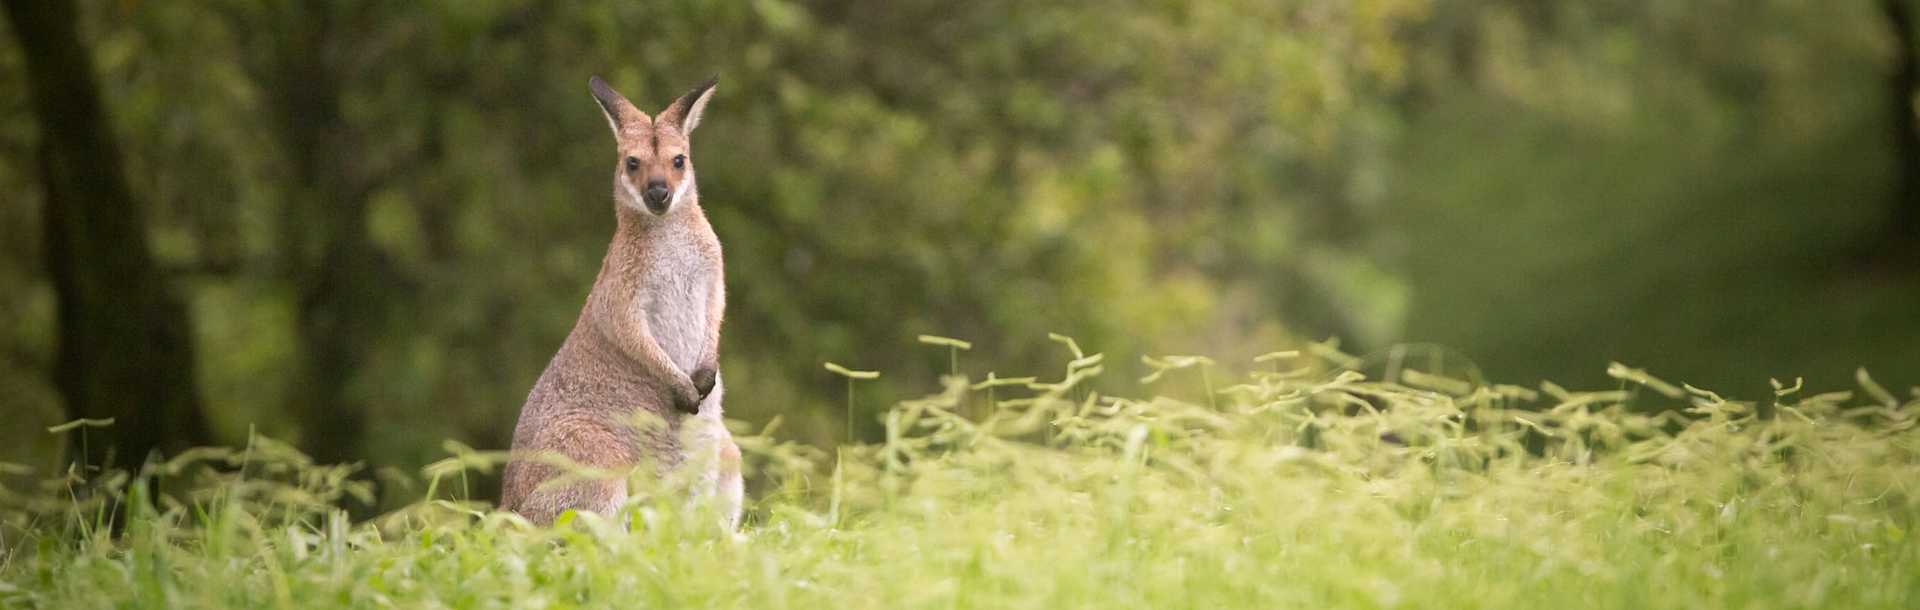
(542, 506)
(529, 489)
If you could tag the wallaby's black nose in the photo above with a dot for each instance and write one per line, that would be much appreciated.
(656, 196)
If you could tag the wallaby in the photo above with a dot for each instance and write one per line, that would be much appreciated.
(647, 343)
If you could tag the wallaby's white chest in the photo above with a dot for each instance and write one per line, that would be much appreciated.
(675, 296)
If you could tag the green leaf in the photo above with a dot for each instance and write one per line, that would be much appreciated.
(852, 374)
(946, 341)
(80, 423)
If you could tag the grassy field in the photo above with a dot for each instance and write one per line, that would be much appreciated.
(1296, 485)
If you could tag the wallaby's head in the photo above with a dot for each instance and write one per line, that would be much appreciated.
(655, 168)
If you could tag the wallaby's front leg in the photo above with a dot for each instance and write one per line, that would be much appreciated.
(635, 337)
(683, 389)
(707, 371)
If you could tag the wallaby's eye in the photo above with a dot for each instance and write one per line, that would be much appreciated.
(633, 164)
(679, 161)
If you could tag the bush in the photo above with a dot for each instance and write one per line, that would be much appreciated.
(1303, 485)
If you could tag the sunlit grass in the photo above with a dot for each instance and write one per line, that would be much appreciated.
(1297, 485)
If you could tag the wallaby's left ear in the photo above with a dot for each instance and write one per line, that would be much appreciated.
(617, 109)
(686, 111)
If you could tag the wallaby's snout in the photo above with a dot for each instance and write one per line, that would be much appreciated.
(656, 195)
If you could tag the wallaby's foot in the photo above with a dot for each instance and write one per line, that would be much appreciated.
(731, 486)
(703, 380)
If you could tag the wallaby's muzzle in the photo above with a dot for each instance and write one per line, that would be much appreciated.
(656, 196)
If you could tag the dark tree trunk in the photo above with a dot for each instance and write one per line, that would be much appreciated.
(341, 281)
(1904, 232)
(125, 344)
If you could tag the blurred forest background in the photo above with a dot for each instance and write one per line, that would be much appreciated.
(365, 226)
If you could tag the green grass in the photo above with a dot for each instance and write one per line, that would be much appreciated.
(1300, 486)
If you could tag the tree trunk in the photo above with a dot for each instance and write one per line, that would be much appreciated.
(1904, 232)
(125, 344)
(341, 282)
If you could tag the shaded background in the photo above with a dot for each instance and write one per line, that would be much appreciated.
(365, 226)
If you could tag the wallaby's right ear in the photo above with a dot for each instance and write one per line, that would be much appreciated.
(617, 109)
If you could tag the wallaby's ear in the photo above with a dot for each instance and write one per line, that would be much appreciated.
(617, 109)
(685, 112)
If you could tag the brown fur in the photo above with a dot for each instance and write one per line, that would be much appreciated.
(647, 340)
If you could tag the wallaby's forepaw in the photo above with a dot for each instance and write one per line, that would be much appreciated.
(687, 400)
(703, 380)
(684, 396)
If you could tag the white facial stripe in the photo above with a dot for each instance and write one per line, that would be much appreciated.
(682, 191)
(633, 195)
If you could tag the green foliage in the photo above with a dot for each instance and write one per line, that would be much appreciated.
(1302, 487)
(1688, 185)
